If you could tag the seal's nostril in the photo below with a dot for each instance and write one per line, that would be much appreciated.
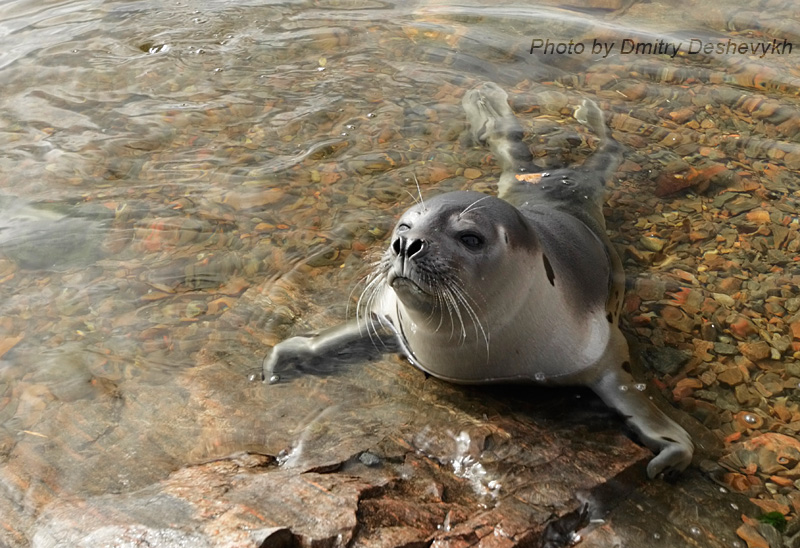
(414, 247)
(397, 246)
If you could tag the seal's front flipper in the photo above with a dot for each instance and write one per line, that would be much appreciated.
(331, 345)
(670, 442)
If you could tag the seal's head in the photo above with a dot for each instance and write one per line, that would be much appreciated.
(452, 254)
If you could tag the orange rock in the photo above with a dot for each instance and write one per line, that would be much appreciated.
(737, 482)
(682, 115)
(783, 482)
(736, 436)
(685, 387)
(741, 328)
(759, 216)
(751, 536)
(769, 505)
(795, 327)
(729, 286)
(438, 173)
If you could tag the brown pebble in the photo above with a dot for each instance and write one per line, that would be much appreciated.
(731, 376)
(472, 173)
(682, 115)
(729, 286)
(685, 387)
(677, 319)
(755, 351)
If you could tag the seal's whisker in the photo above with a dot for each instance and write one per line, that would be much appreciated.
(476, 322)
(419, 191)
(470, 206)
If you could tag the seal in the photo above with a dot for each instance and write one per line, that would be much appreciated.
(525, 286)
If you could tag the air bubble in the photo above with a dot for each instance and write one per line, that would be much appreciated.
(750, 419)
(275, 379)
(695, 531)
(723, 490)
(640, 386)
(623, 388)
(734, 506)
(657, 536)
(540, 377)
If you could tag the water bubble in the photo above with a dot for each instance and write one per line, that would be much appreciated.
(640, 386)
(320, 69)
(370, 115)
(350, 126)
(695, 531)
(657, 536)
(540, 377)
(750, 419)
(723, 490)
(282, 457)
(734, 506)
(275, 379)
(623, 387)
(736, 544)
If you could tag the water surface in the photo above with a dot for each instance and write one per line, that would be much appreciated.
(186, 183)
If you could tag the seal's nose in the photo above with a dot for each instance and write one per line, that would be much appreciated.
(409, 247)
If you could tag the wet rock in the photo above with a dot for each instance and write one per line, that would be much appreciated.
(725, 349)
(710, 522)
(665, 360)
(731, 376)
(755, 351)
(678, 319)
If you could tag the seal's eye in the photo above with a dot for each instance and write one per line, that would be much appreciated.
(402, 227)
(471, 240)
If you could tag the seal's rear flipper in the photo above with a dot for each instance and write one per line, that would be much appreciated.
(493, 124)
(671, 443)
(606, 158)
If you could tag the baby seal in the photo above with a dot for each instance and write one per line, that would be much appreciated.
(525, 286)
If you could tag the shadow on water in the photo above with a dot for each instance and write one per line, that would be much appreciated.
(186, 184)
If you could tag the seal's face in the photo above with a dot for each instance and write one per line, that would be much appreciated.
(447, 255)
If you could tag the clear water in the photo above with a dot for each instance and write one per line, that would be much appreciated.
(184, 183)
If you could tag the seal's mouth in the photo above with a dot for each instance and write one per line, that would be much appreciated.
(405, 286)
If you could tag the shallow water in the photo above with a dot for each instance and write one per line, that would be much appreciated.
(186, 183)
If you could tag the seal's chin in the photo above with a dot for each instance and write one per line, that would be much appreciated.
(410, 293)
